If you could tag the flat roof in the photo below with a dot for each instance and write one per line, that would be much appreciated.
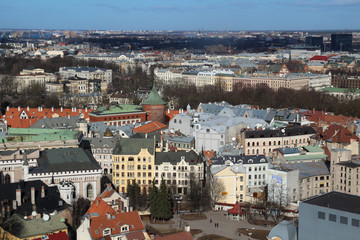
(337, 200)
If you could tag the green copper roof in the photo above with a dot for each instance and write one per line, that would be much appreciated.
(133, 146)
(116, 109)
(340, 90)
(154, 98)
(35, 227)
(39, 135)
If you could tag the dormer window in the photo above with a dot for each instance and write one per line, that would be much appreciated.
(250, 161)
(107, 231)
(125, 228)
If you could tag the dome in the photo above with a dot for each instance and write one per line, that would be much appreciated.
(108, 133)
(283, 231)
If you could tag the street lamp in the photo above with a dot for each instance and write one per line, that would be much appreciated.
(238, 202)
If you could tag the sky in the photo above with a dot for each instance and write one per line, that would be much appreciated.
(180, 15)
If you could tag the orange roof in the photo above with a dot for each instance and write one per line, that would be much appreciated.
(55, 236)
(32, 115)
(169, 114)
(107, 193)
(337, 134)
(100, 207)
(150, 127)
(209, 155)
(316, 116)
(235, 210)
(176, 236)
(115, 221)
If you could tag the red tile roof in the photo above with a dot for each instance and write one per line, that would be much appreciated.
(235, 210)
(56, 236)
(150, 127)
(115, 221)
(319, 58)
(337, 134)
(176, 236)
(170, 114)
(12, 115)
(135, 236)
(100, 207)
(316, 116)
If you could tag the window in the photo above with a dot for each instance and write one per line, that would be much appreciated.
(241, 178)
(343, 220)
(355, 222)
(321, 215)
(332, 217)
(89, 191)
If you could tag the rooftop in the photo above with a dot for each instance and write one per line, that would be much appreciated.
(336, 200)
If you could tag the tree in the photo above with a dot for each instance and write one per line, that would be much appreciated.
(216, 191)
(79, 208)
(154, 203)
(164, 209)
(133, 192)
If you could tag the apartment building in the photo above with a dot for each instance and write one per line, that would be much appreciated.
(177, 169)
(264, 141)
(86, 72)
(133, 159)
(345, 171)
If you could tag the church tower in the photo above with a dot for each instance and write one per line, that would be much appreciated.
(154, 106)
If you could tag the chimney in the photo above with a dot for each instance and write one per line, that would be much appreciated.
(68, 116)
(32, 195)
(42, 191)
(187, 228)
(108, 215)
(168, 110)
(7, 108)
(14, 204)
(18, 109)
(18, 197)
(52, 109)
(39, 109)
(97, 202)
(28, 108)
(145, 135)
(86, 109)
(61, 109)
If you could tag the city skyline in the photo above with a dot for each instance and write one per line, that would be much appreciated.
(185, 15)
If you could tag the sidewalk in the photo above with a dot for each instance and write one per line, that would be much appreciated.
(227, 227)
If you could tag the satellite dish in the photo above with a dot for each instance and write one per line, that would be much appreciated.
(34, 213)
(46, 217)
(283, 130)
(233, 138)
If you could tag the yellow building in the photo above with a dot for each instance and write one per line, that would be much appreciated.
(133, 160)
(233, 180)
(19, 228)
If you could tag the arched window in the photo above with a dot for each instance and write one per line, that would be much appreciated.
(264, 143)
(253, 144)
(7, 179)
(89, 191)
(278, 142)
(257, 143)
(248, 144)
(105, 171)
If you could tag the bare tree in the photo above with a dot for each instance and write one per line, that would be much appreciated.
(216, 191)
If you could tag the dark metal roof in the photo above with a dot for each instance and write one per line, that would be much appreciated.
(175, 157)
(336, 200)
(288, 131)
(48, 204)
(65, 159)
